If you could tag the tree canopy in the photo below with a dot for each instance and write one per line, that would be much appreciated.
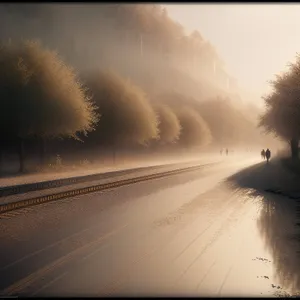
(169, 125)
(126, 114)
(282, 114)
(40, 95)
(195, 131)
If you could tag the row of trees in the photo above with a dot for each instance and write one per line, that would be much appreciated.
(282, 114)
(43, 98)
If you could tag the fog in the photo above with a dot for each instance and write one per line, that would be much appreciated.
(103, 88)
(90, 36)
(143, 44)
(247, 37)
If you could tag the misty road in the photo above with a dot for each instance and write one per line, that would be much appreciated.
(199, 233)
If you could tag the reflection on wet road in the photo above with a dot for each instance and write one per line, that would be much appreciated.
(211, 232)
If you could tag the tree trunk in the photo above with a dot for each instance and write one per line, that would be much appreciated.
(114, 153)
(21, 155)
(294, 148)
(113, 149)
(42, 151)
(1, 160)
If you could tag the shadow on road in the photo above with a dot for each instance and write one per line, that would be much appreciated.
(277, 221)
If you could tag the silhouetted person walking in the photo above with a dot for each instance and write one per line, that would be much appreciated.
(263, 154)
(268, 154)
(226, 151)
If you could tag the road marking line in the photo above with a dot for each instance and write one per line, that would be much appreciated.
(238, 250)
(215, 235)
(49, 283)
(225, 279)
(111, 287)
(92, 253)
(205, 275)
(27, 281)
(49, 246)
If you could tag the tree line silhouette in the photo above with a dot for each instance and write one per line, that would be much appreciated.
(135, 83)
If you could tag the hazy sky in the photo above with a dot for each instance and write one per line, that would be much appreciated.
(255, 41)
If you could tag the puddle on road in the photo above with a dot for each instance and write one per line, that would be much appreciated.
(277, 261)
(265, 265)
(250, 258)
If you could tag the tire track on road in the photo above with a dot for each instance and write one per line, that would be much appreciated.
(112, 286)
(221, 228)
(20, 285)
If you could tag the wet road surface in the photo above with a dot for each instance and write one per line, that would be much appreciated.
(209, 232)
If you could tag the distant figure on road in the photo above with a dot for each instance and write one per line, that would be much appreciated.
(263, 154)
(221, 151)
(268, 154)
(226, 151)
